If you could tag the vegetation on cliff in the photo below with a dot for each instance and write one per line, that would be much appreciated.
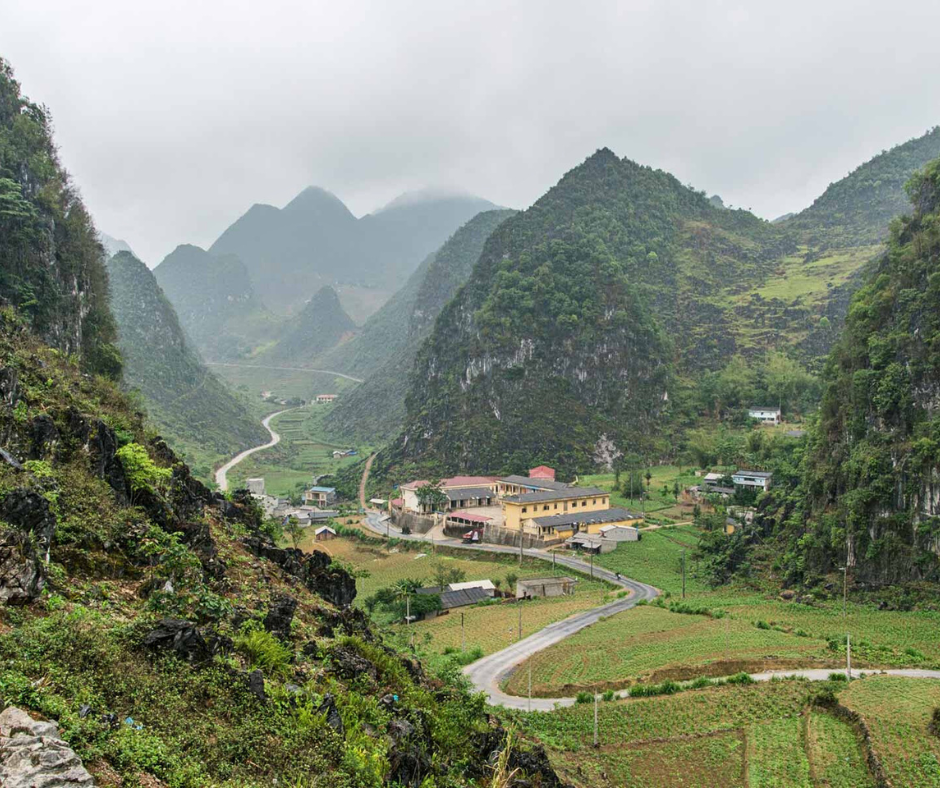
(51, 263)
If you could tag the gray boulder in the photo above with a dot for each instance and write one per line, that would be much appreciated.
(33, 755)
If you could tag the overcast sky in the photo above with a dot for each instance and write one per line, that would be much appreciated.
(175, 117)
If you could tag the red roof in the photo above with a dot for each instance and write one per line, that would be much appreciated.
(472, 518)
(542, 472)
(397, 502)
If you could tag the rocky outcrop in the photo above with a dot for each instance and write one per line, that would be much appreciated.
(33, 755)
(185, 640)
(314, 570)
(279, 617)
(32, 525)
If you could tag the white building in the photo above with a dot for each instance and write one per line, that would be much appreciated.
(757, 479)
(619, 533)
(765, 415)
(486, 585)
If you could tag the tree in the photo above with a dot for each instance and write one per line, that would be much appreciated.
(293, 530)
(143, 475)
(431, 496)
(649, 478)
(675, 489)
(511, 578)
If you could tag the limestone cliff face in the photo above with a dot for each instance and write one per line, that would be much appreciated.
(874, 470)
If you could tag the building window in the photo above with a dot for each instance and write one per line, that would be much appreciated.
(545, 508)
(594, 501)
(524, 509)
(556, 505)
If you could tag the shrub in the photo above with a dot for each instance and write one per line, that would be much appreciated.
(740, 678)
(761, 624)
(608, 695)
(584, 697)
(263, 651)
(838, 677)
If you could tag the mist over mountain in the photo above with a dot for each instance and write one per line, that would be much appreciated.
(113, 245)
(315, 240)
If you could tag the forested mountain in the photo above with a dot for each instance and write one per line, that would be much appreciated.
(51, 263)
(321, 325)
(315, 240)
(185, 401)
(215, 301)
(616, 281)
(385, 349)
(871, 489)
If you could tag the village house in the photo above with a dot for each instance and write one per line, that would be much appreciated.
(319, 496)
(325, 399)
(544, 586)
(323, 533)
(590, 544)
(559, 526)
(620, 533)
(753, 479)
(519, 509)
(462, 492)
(765, 415)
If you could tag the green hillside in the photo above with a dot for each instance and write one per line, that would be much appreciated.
(616, 281)
(870, 486)
(385, 349)
(216, 303)
(189, 405)
(319, 326)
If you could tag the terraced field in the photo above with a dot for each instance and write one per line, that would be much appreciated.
(898, 712)
(760, 736)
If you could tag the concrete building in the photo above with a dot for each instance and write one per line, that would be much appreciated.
(255, 486)
(590, 544)
(765, 415)
(461, 491)
(325, 399)
(619, 533)
(517, 509)
(755, 479)
(519, 485)
(559, 526)
(544, 586)
(319, 496)
(486, 585)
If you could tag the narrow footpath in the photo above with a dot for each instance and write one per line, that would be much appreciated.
(221, 475)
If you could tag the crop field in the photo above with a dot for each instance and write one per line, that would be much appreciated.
(493, 627)
(897, 712)
(760, 736)
(776, 757)
(835, 752)
(652, 644)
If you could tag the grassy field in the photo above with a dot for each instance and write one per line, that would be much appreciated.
(776, 757)
(897, 712)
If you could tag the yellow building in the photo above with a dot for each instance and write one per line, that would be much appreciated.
(562, 526)
(518, 509)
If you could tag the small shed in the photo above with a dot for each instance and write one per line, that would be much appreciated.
(324, 533)
(620, 533)
(590, 544)
(544, 586)
(486, 585)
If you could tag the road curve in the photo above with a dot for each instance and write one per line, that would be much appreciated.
(221, 475)
(285, 369)
(487, 673)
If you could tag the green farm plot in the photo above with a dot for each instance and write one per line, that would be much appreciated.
(652, 644)
(835, 752)
(898, 712)
(776, 757)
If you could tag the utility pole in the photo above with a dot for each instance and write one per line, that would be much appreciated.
(592, 566)
(520, 619)
(408, 610)
(596, 743)
(521, 534)
(553, 563)
(530, 685)
(848, 656)
(683, 573)
(463, 640)
(845, 589)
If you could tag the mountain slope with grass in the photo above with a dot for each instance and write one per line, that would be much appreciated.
(315, 240)
(170, 637)
(189, 405)
(385, 350)
(216, 303)
(320, 326)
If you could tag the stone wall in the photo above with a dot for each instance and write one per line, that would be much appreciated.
(416, 523)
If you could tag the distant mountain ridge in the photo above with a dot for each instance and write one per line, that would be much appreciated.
(185, 400)
(315, 240)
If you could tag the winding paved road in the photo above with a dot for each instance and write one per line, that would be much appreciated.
(221, 475)
(285, 369)
(488, 673)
